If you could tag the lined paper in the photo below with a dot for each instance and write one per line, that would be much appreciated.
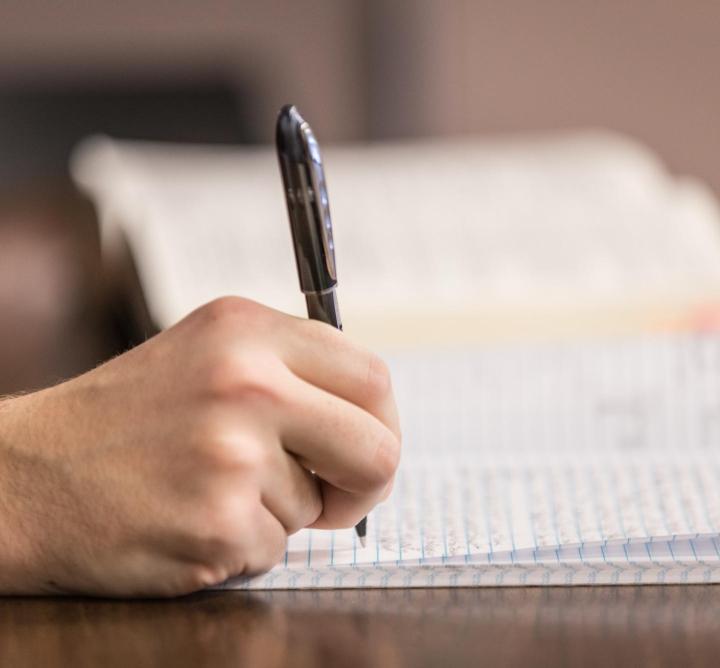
(595, 462)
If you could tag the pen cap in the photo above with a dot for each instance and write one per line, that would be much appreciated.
(307, 201)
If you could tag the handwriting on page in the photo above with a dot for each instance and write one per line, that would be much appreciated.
(601, 455)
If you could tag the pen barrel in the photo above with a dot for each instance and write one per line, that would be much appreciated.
(323, 306)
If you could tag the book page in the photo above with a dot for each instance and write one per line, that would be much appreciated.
(422, 228)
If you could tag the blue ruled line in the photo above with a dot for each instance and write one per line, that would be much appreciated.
(398, 530)
(706, 508)
(528, 502)
(570, 482)
(553, 509)
(508, 512)
(488, 525)
(464, 511)
(443, 513)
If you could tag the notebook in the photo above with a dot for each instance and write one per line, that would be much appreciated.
(584, 461)
(591, 463)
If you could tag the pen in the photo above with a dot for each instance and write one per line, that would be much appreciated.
(310, 223)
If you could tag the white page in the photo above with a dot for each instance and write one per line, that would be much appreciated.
(543, 475)
(421, 228)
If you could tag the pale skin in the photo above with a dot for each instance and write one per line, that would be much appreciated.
(192, 457)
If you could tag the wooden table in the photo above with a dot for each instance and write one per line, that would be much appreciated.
(604, 626)
(51, 249)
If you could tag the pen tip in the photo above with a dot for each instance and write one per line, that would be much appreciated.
(361, 530)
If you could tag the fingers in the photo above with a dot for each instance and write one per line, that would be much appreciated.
(328, 402)
(314, 351)
(353, 452)
(289, 491)
(344, 509)
(342, 443)
(235, 536)
(269, 544)
(323, 356)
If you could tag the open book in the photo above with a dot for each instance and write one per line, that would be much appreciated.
(523, 463)
(437, 240)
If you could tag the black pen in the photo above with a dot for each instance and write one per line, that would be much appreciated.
(309, 211)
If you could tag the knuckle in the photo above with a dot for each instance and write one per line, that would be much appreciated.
(385, 460)
(245, 456)
(252, 458)
(247, 373)
(229, 449)
(378, 383)
(229, 308)
(376, 468)
(201, 576)
(225, 541)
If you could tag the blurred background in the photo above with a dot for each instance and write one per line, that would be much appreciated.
(217, 72)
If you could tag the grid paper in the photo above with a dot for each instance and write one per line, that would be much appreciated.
(546, 464)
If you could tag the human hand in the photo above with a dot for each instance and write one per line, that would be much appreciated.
(190, 458)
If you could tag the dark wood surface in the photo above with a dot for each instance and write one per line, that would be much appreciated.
(57, 319)
(604, 626)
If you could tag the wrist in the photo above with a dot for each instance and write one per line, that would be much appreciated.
(17, 564)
